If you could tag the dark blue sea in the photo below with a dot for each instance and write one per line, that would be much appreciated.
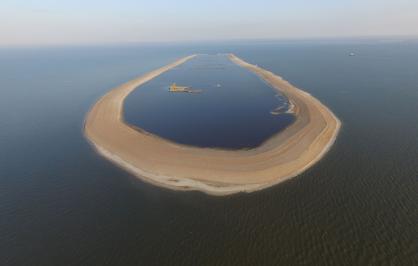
(62, 204)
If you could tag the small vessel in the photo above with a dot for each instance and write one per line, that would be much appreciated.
(352, 54)
(175, 88)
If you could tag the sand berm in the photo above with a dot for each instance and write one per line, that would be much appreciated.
(213, 171)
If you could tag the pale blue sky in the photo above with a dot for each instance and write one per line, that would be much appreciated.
(27, 22)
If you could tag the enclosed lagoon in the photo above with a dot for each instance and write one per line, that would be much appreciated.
(232, 108)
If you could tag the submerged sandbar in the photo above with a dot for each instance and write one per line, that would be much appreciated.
(213, 171)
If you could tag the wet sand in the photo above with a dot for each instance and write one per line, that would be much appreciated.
(213, 171)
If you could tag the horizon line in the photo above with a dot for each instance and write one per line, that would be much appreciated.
(391, 37)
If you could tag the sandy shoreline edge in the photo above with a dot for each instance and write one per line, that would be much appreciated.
(213, 171)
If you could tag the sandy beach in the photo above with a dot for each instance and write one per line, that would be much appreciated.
(213, 171)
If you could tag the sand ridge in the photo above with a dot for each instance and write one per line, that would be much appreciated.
(213, 171)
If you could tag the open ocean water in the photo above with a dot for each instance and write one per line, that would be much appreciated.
(62, 204)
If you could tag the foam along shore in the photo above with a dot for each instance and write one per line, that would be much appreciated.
(213, 171)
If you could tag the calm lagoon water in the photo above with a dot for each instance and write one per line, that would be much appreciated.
(233, 109)
(62, 204)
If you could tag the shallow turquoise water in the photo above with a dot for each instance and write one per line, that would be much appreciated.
(62, 204)
(233, 109)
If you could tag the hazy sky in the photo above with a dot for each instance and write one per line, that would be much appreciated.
(26, 22)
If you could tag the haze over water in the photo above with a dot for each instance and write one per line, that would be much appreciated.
(62, 204)
(232, 110)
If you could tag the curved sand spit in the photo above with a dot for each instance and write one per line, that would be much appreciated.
(213, 171)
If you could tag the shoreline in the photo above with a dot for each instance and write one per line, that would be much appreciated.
(213, 171)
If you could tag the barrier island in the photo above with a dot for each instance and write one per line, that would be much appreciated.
(213, 171)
